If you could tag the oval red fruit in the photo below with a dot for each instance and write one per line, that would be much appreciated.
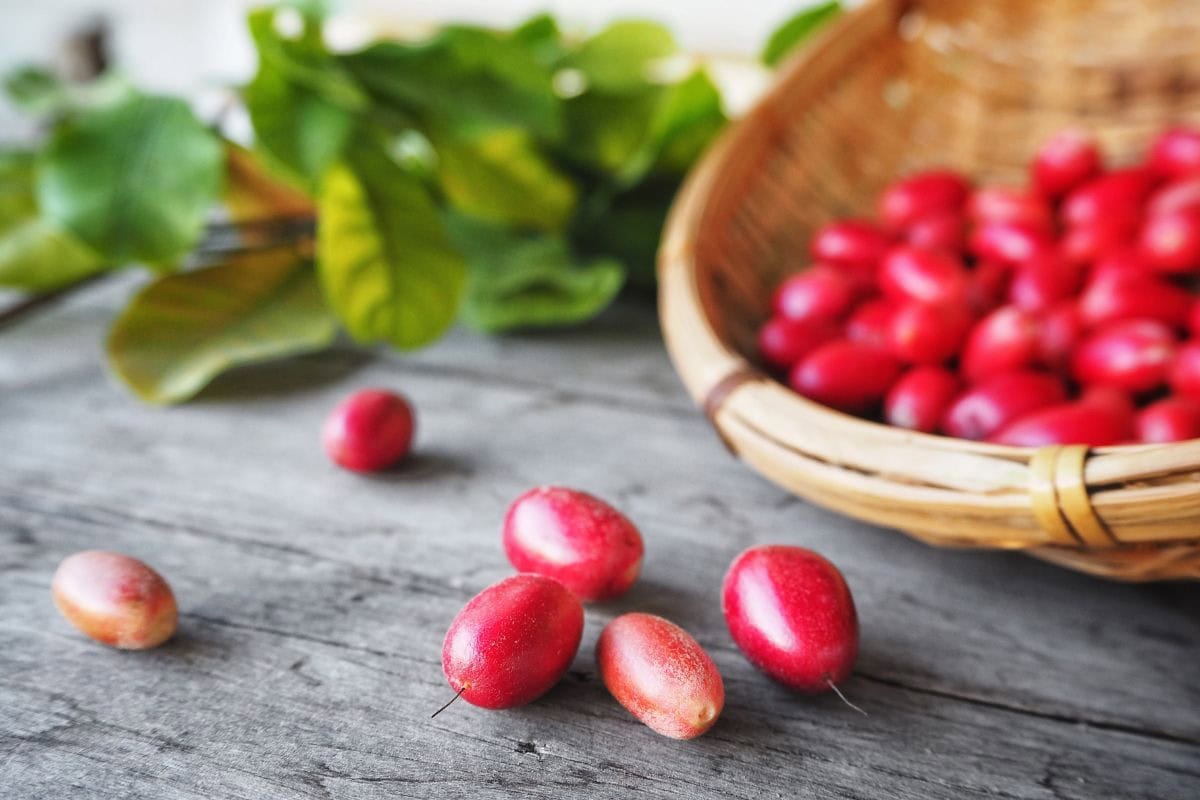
(1060, 332)
(871, 322)
(370, 430)
(820, 293)
(782, 342)
(1184, 375)
(1114, 196)
(1172, 419)
(1133, 355)
(927, 334)
(115, 599)
(944, 231)
(989, 406)
(1009, 242)
(1006, 340)
(846, 375)
(577, 539)
(987, 286)
(1097, 420)
(922, 195)
(791, 613)
(918, 401)
(853, 242)
(1170, 242)
(1176, 152)
(660, 674)
(1006, 204)
(1044, 280)
(1178, 195)
(512, 642)
(1086, 244)
(1114, 296)
(1064, 161)
(929, 276)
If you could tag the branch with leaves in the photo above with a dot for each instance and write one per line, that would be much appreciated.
(507, 179)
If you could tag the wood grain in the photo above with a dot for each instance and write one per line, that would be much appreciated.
(314, 601)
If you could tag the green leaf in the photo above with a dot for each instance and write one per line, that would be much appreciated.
(301, 102)
(133, 181)
(606, 131)
(385, 263)
(618, 59)
(39, 92)
(627, 227)
(686, 118)
(500, 176)
(530, 282)
(540, 35)
(464, 78)
(796, 30)
(183, 330)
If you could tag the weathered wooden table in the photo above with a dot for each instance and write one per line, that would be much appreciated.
(314, 601)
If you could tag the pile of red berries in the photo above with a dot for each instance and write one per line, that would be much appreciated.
(1065, 312)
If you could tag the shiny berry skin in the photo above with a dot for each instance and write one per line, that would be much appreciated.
(1006, 340)
(988, 286)
(820, 293)
(1086, 244)
(871, 322)
(1176, 152)
(1060, 332)
(945, 231)
(846, 375)
(512, 642)
(1008, 242)
(115, 599)
(660, 674)
(851, 242)
(1111, 296)
(1096, 420)
(920, 196)
(369, 431)
(1172, 419)
(928, 334)
(1124, 262)
(1043, 281)
(782, 342)
(1009, 205)
(990, 405)
(919, 400)
(1115, 195)
(1133, 355)
(577, 539)
(1171, 242)
(928, 276)
(1178, 195)
(1064, 161)
(791, 614)
(1184, 375)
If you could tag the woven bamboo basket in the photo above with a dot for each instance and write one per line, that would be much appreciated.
(889, 88)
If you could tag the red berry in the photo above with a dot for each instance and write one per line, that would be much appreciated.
(871, 323)
(1042, 281)
(660, 674)
(1126, 261)
(1111, 296)
(1173, 419)
(1061, 331)
(851, 242)
(928, 334)
(919, 400)
(1184, 376)
(820, 293)
(1171, 242)
(1006, 340)
(846, 375)
(1176, 152)
(1113, 196)
(1009, 242)
(1133, 355)
(1178, 195)
(990, 405)
(791, 613)
(1193, 320)
(1086, 244)
(577, 539)
(371, 430)
(920, 196)
(1064, 161)
(929, 276)
(1016, 206)
(512, 642)
(1095, 420)
(115, 599)
(782, 342)
(987, 286)
(943, 231)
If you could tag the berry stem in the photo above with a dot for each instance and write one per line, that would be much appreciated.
(460, 692)
(836, 691)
